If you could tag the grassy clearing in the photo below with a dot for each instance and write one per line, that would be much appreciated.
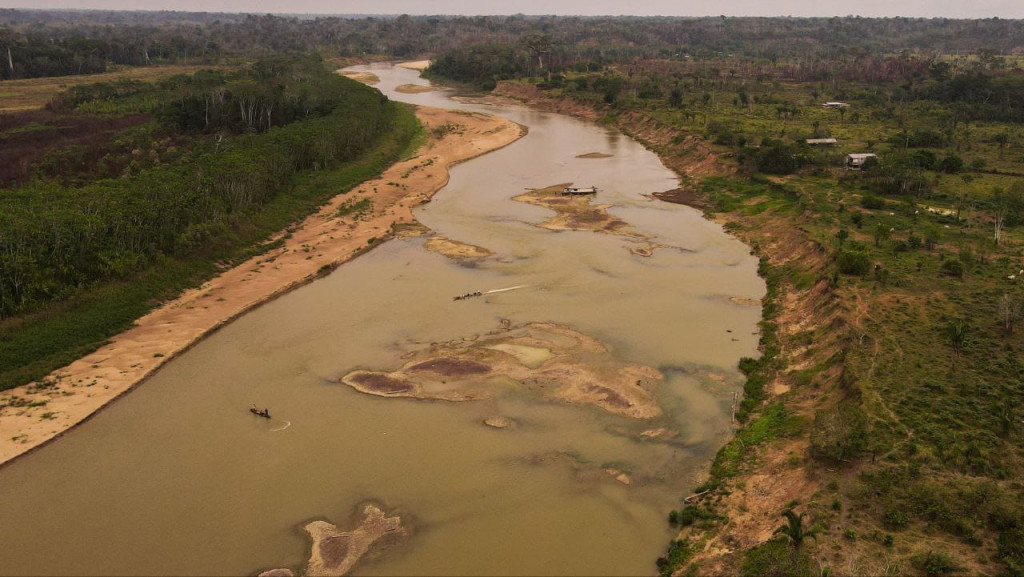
(925, 434)
(889, 361)
(34, 345)
(35, 93)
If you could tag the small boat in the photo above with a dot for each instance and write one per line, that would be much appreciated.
(579, 190)
(468, 296)
(265, 413)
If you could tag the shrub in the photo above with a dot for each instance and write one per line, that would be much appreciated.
(721, 133)
(873, 202)
(678, 553)
(951, 164)
(1011, 549)
(934, 564)
(776, 559)
(953, 268)
(920, 138)
(925, 159)
(853, 262)
(777, 158)
(690, 514)
(748, 365)
(895, 519)
(838, 433)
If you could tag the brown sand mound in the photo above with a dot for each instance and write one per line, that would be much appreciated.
(454, 249)
(415, 65)
(364, 77)
(745, 301)
(687, 196)
(575, 212)
(498, 422)
(378, 384)
(551, 360)
(414, 88)
(335, 552)
(452, 367)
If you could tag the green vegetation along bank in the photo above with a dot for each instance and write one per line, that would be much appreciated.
(880, 430)
(190, 174)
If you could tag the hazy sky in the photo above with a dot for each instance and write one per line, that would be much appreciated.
(925, 8)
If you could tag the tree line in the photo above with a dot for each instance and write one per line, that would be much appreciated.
(55, 240)
(36, 43)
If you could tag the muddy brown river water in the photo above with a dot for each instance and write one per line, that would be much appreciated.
(179, 478)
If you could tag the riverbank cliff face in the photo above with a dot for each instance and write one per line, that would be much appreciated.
(686, 154)
(765, 477)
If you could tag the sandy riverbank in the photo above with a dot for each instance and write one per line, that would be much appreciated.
(418, 65)
(364, 77)
(34, 414)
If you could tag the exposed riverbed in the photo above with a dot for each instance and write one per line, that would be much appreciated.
(179, 478)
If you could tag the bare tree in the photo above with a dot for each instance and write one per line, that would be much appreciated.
(1002, 208)
(7, 39)
(538, 44)
(962, 196)
(1010, 310)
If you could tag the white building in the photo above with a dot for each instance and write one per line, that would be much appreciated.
(856, 161)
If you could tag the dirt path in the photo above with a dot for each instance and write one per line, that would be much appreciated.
(35, 414)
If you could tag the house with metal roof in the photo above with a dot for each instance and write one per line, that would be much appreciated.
(856, 161)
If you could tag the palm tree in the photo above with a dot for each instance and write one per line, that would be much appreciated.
(794, 530)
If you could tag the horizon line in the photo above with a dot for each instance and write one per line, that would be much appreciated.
(533, 15)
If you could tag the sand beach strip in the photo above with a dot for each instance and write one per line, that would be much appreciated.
(34, 414)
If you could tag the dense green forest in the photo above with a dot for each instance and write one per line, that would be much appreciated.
(285, 117)
(41, 43)
(114, 185)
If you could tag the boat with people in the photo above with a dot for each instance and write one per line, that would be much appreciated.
(265, 413)
(579, 190)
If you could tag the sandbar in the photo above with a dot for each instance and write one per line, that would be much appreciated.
(574, 211)
(414, 88)
(420, 65)
(334, 552)
(571, 367)
(364, 77)
(455, 249)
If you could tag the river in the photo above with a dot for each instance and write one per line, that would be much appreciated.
(178, 478)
